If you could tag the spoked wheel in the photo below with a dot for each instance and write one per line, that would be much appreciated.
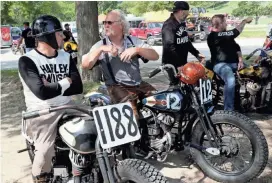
(217, 92)
(151, 41)
(243, 148)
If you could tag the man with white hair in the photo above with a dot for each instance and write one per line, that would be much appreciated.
(118, 56)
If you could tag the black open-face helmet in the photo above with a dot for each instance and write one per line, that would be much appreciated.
(44, 28)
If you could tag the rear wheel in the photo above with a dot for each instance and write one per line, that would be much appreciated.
(134, 170)
(242, 145)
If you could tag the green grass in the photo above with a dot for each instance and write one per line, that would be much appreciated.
(253, 34)
(228, 7)
(224, 8)
(89, 87)
(9, 73)
(13, 74)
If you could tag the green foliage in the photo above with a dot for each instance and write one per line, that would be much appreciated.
(140, 7)
(5, 17)
(16, 12)
(251, 8)
(105, 6)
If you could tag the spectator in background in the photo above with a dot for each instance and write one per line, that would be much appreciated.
(267, 44)
(68, 34)
(27, 36)
(224, 52)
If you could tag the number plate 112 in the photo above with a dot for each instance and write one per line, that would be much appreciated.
(116, 125)
(205, 90)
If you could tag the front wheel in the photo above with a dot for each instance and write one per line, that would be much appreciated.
(151, 41)
(242, 145)
(134, 170)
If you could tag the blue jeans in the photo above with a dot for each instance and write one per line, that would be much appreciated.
(225, 71)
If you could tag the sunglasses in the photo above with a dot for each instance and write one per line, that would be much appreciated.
(109, 22)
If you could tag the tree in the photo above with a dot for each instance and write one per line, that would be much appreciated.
(105, 6)
(6, 18)
(87, 28)
(252, 8)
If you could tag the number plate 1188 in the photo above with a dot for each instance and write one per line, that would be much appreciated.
(116, 125)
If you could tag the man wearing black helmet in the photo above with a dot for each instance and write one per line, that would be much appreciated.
(176, 43)
(49, 78)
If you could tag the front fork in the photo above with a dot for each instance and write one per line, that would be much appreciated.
(104, 163)
(205, 121)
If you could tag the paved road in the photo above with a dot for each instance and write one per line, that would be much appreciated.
(9, 60)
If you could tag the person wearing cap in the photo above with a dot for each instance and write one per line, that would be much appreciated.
(68, 34)
(175, 39)
(49, 78)
(27, 37)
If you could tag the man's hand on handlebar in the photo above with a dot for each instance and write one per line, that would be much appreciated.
(201, 58)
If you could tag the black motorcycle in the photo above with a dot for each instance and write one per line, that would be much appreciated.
(252, 91)
(227, 146)
(81, 157)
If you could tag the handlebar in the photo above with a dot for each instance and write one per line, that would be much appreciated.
(38, 113)
(162, 67)
(154, 72)
(252, 53)
(143, 59)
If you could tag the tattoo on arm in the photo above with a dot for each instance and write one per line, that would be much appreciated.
(241, 26)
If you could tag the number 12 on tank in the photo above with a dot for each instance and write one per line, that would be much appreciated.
(116, 125)
(205, 90)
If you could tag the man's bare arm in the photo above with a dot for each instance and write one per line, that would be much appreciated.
(241, 26)
(89, 59)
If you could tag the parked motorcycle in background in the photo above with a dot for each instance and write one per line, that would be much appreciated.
(15, 49)
(253, 85)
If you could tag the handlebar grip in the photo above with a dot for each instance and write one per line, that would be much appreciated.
(143, 59)
(29, 115)
(154, 72)
(249, 56)
(34, 114)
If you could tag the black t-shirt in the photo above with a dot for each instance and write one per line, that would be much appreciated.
(68, 34)
(176, 43)
(223, 47)
(29, 40)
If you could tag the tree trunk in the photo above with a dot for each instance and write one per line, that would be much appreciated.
(87, 32)
(257, 19)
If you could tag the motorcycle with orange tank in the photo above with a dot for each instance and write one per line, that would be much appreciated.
(183, 116)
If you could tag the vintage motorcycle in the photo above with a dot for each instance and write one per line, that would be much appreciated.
(81, 157)
(15, 49)
(227, 146)
(252, 90)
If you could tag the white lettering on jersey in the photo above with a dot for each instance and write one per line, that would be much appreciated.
(229, 33)
(182, 40)
(180, 31)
